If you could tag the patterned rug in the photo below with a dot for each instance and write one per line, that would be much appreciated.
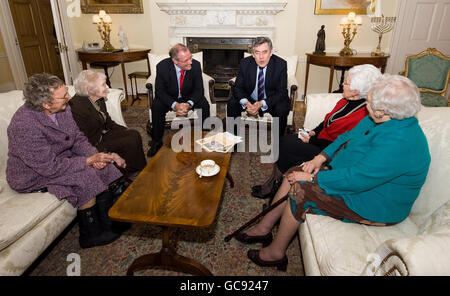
(205, 245)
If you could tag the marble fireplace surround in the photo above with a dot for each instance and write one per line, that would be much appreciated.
(219, 19)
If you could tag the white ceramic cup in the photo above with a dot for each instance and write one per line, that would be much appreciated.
(206, 166)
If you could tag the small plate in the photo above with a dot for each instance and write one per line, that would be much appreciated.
(214, 171)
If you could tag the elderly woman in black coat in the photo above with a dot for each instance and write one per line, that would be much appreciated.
(90, 114)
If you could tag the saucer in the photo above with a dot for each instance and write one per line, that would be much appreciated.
(214, 171)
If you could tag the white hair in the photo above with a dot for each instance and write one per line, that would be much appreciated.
(362, 78)
(396, 95)
(87, 82)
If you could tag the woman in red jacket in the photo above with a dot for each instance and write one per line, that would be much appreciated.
(294, 149)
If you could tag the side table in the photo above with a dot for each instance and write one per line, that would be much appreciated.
(343, 63)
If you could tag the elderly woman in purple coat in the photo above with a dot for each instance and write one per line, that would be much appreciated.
(47, 151)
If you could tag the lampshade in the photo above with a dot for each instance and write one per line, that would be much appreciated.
(102, 13)
(95, 19)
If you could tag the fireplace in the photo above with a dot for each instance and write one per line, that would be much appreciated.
(222, 30)
(221, 57)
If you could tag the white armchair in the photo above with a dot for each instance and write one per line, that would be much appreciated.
(208, 86)
(292, 91)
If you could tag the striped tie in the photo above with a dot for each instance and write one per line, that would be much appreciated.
(260, 84)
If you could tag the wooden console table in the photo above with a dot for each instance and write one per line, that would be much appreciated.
(335, 61)
(122, 57)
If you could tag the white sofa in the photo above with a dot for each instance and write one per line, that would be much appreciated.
(30, 222)
(420, 245)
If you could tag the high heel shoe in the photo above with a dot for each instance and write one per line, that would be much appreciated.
(257, 192)
(279, 264)
(247, 239)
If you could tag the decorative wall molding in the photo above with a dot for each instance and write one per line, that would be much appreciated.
(214, 19)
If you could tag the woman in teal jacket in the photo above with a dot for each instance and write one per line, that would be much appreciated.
(375, 173)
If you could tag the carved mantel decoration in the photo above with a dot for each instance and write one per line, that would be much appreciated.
(215, 19)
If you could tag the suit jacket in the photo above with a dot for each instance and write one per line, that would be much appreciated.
(380, 171)
(166, 83)
(89, 120)
(44, 154)
(275, 80)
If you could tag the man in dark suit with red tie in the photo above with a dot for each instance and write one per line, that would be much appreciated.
(178, 87)
(261, 85)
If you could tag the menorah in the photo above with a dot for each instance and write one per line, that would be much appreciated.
(381, 25)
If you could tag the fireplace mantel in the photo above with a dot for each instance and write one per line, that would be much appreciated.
(241, 8)
(215, 19)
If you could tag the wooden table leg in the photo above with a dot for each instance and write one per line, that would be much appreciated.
(228, 176)
(124, 76)
(168, 257)
(330, 83)
(306, 78)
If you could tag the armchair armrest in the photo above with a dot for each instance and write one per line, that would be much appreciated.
(114, 98)
(292, 87)
(208, 84)
(419, 255)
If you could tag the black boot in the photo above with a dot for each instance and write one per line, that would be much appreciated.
(91, 232)
(105, 201)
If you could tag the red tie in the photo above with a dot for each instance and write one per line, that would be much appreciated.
(181, 79)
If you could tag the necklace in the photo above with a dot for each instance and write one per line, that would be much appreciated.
(336, 115)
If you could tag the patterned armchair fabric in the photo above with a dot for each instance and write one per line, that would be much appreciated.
(430, 70)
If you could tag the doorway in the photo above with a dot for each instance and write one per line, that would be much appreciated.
(420, 24)
(36, 36)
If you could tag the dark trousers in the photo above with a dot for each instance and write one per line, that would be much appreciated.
(294, 151)
(159, 111)
(280, 110)
(128, 144)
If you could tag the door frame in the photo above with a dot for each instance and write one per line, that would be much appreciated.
(12, 45)
(69, 60)
(398, 28)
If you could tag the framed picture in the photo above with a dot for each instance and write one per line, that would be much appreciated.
(112, 6)
(342, 6)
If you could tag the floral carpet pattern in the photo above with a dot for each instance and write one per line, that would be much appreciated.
(205, 245)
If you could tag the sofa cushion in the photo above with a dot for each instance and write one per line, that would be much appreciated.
(21, 212)
(438, 222)
(334, 244)
(435, 123)
(10, 102)
(317, 106)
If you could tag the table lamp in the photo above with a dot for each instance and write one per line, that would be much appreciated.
(348, 23)
(103, 22)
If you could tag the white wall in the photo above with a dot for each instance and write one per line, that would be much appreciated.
(296, 33)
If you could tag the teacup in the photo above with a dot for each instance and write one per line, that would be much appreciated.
(206, 166)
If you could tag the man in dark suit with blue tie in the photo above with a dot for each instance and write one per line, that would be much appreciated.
(261, 85)
(178, 87)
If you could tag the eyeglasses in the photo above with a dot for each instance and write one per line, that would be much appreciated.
(65, 97)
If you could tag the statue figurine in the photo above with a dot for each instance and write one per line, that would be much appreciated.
(123, 39)
(320, 43)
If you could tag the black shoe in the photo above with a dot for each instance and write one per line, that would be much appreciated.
(256, 192)
(91, 232)
(246, 239)
(279, 264)
(155, 146)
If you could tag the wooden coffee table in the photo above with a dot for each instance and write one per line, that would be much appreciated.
(169, 193)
